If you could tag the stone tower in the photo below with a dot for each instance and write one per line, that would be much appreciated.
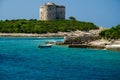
(51, 11)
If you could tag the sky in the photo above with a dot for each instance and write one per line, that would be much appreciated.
(104, 13)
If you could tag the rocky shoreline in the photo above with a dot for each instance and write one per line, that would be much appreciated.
(81, 39)
(58, 34)
(97, 44)
(77, 39)
(102, 44)
(31, 35)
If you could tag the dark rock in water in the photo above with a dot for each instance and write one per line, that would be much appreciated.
(79, 39)
(85, 46)
(77, 46)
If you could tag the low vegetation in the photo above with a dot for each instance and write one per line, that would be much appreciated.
(37, 26)
(112, 33)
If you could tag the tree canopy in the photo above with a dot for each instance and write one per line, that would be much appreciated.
(112, 33)
(72, 18)
(38, 26)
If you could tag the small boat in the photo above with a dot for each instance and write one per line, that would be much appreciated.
(45, 46)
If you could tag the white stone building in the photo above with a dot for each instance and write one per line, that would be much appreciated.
(51, 11)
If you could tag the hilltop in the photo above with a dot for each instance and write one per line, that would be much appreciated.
(38, 26)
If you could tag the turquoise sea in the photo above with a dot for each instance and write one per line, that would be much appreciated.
(21, 59)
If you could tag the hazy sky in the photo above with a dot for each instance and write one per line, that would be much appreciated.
(101, 12)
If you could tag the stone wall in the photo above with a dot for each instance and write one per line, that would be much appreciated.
(51, 11)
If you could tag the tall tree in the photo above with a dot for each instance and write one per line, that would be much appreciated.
(72, 18)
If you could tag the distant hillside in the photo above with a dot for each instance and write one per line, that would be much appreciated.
(37, 26)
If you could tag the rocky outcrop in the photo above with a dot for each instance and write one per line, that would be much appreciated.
(91, 41)
(83, 39)
(115, 45)
(86, 46)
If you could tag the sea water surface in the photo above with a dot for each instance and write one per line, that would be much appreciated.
(21, 59)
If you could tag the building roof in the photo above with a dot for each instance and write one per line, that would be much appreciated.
(50, 3)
